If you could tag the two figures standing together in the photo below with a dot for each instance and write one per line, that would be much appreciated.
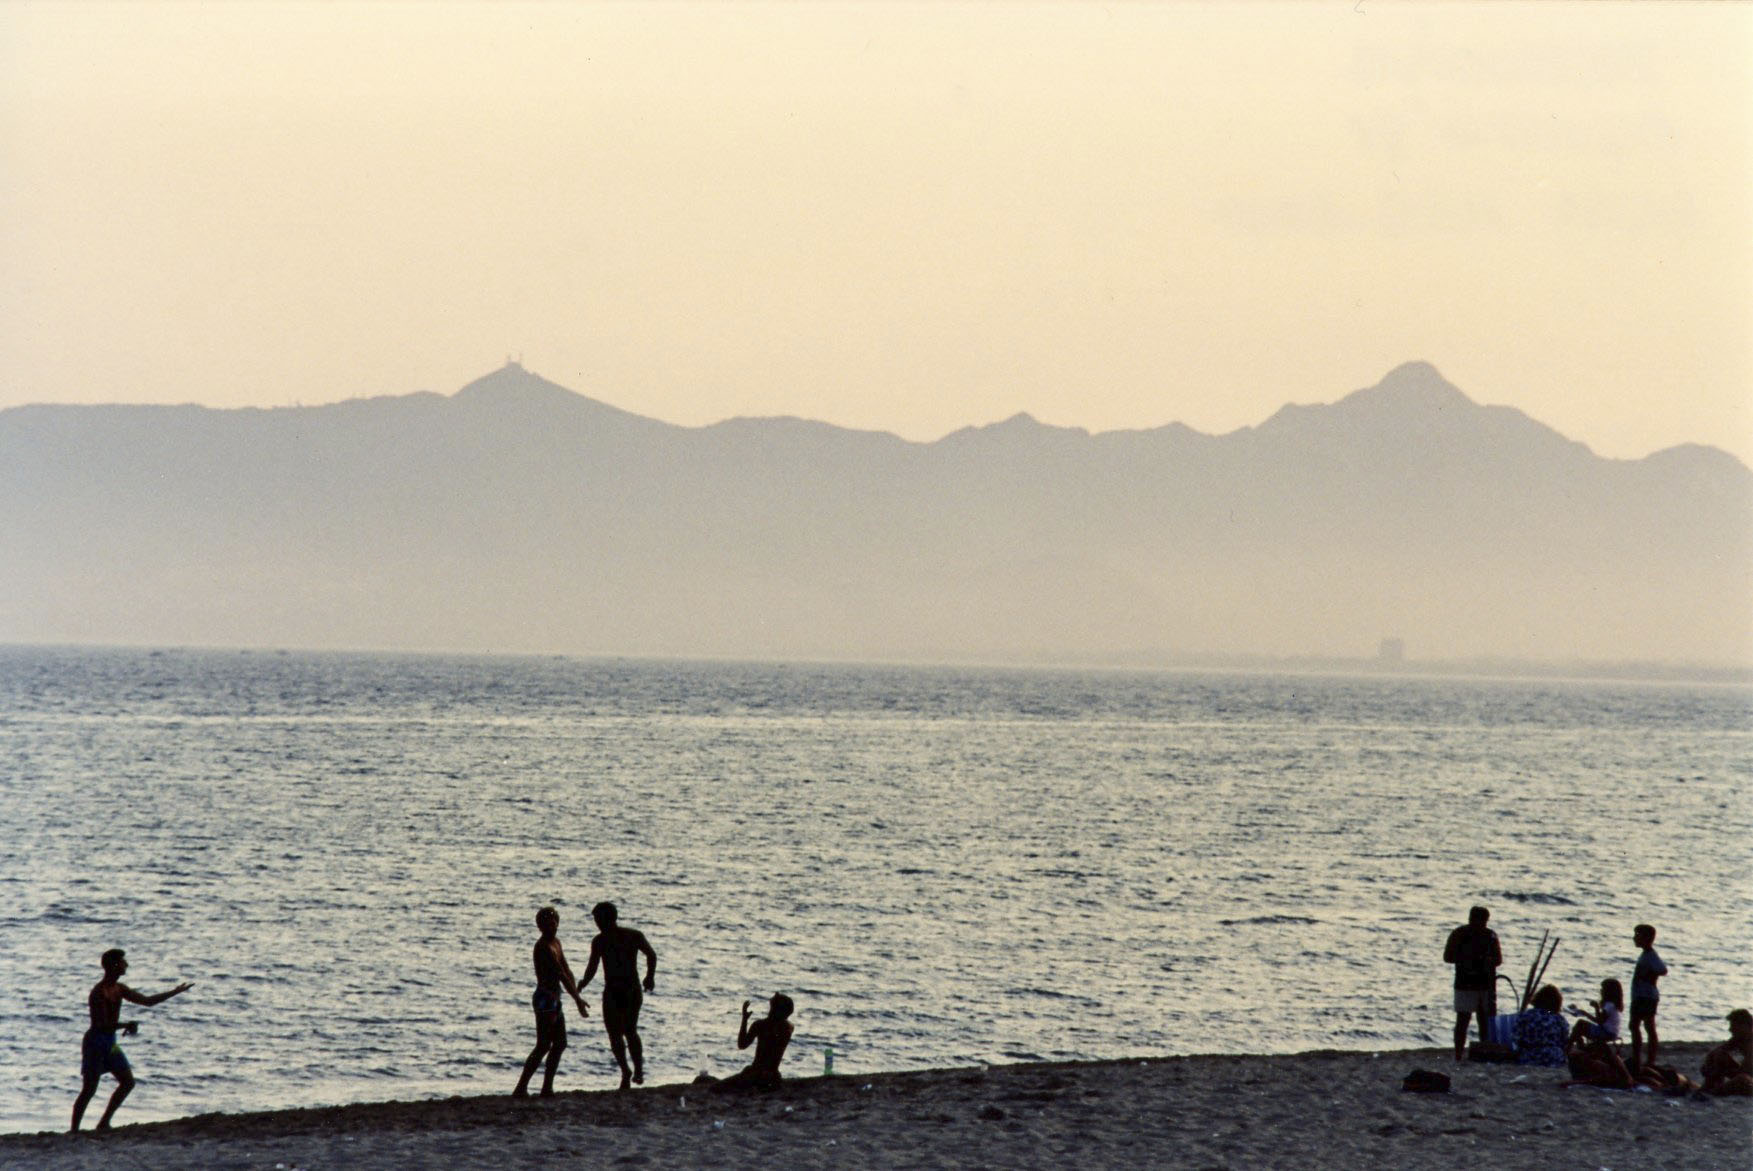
(616, 950)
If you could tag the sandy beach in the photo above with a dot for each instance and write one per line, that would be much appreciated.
(1320, 1110)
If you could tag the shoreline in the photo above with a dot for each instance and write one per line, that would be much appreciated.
(1321, 1109)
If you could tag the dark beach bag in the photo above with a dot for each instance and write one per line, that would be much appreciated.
(1426, 1081)
(1490, 1051)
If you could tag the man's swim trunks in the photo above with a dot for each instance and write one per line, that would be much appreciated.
(99, 1054)
(545, 1001)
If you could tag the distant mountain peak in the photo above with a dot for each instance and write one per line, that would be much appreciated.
(1417, 370)
(1418, 382)
(1020, 426)
(513, 379)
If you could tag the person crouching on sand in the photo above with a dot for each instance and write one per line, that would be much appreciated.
(1728, 1069)
(99, 1052)
(769, 1035)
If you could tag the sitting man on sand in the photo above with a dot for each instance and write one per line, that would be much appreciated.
(617, 950)
(1728, 1069)
(769, 1035)
(99, 1052)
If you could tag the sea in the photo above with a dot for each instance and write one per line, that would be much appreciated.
(942, 866)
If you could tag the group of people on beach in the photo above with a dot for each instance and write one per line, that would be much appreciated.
(615, 950)
(1589, 1047)
(1537, 1035)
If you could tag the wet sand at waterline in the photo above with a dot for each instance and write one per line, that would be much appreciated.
(1320, 1110)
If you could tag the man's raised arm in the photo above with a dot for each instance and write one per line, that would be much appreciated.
(134, 997)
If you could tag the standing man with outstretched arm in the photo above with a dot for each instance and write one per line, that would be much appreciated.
(1474, 951)
(617, 950)
(99, 1053)
(552, 974)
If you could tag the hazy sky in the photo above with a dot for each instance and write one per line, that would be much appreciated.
(904, 217)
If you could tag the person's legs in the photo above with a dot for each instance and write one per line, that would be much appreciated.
(555, 1049)
(1649, 1023)
(744, 1080)
(86, 1091)
(618, 1045)
(124, 1083)
(548, 1025)
(620, 1016)
(1461, 1035)
(1637, 1023)
(615, 1025)
(98, 1055)
(530, 1065)
(635, 1048)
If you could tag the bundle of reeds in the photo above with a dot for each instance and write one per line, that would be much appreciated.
(1537, 969)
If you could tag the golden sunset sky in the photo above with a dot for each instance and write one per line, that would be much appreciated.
(906, 217)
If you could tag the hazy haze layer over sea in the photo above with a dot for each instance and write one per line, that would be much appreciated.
(942, 866)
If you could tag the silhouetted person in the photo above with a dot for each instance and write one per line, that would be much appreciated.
(552, 974)
(99, 1053)
(1645, 997)
(1601, 1025)
(1538, 1033)
(1728, 1069)
(617, 950)
(1599, 1066)
(1474, 951)
(769, 1035)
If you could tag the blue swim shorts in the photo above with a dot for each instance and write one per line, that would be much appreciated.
(99, 1054)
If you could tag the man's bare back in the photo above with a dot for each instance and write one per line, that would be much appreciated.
(617, 949)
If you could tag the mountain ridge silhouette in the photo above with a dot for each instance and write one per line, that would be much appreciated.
(516, 514)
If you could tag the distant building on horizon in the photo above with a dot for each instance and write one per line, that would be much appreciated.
(1391, 650)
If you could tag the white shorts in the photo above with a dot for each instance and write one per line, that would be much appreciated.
(1472, 1000)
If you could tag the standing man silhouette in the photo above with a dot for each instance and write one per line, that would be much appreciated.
(617, 950)
(1474, 951)
(99, 1053)
(552, 974)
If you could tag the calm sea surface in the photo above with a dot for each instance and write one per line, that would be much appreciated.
(345, 852)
